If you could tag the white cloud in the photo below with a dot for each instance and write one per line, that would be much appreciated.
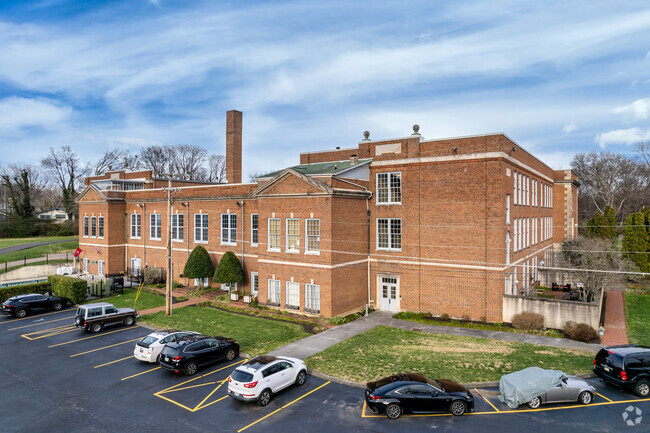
(129, 142)
(637, 110)
(622, 136)
(569, 128)
(17, 113)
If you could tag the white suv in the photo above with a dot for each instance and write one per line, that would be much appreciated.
(261, 377)
(148, 348)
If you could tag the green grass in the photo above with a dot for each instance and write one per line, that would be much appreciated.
(428, 320)
(383, 351)
(10, 242)
(146, 300)
(637, 313)
(255, 335)
(50, 262)
(32, 253)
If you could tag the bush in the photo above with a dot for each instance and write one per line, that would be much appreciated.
(176, 284)
(444, 316)
(229, 270)
(73, 289)
(8, 292)
(528, 321)
(199, 264)
(154, 276)
(579, 331)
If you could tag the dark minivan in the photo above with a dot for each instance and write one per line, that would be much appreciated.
(189, 353)
(627, 366)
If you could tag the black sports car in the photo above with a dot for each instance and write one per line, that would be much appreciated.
(414, 393)
(21, 305)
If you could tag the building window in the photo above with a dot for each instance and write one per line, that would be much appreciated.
(389, 188)
(507, 208)
(200, 227)
(274, 234)
(136, 225)
(93, 227)
(389, 233)
(527, 232)
(274, 292)
(86, 266)
(100, 227)
(521, 233)
(527, 191)
(293, 294)
(312, 297)
(155, 226)
(514, 237)
(178, 221)
(254, 229)
(100, 268)
(508, 248)
(85, 227)
(197, 282)
(313, 235)
(293, 235)
(255, 283)
(229, 229)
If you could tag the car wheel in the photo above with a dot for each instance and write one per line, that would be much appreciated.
(301, 378)
(642, 388)
(535, 403)
(230, 355)
(20, 313)
(128, 321)
(458, 408)
(585, 397)
(191, 368)
(57, 306)
(265, 397)
(393, 411)
(95, 327)
(158, 358)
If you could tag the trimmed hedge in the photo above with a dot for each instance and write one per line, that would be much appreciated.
(8, 292)
(73, 289)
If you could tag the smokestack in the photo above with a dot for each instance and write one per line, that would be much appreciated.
(233, 146)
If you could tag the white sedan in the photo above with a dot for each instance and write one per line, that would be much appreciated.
(148, 348)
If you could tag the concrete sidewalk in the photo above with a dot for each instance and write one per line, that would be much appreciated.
(317, 343)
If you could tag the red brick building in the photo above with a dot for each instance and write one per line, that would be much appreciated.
(441, 226)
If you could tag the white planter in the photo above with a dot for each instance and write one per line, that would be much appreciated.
(248, 299)
(234, 296)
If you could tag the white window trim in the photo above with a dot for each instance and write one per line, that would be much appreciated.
(229, 219)
(286, 294)
(177, 226)
(100, 268)
(390, 242)
(196, 241)
(86, 227)
(255, 275)
(389, 202)
(507, 209)
(268, 230)
(151, 226)
(93, 218)
(103, 227)
(268, 290)
(132, 225)
(307, 306)
(307, 250)
(254, 244)
(286, 241)
(514, 189)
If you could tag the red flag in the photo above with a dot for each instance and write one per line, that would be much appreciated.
(77, 252)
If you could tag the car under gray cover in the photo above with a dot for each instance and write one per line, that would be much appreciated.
(522, 386)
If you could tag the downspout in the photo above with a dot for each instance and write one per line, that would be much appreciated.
(368, 226)
(144, 236)
(126, 241)
(243, 237)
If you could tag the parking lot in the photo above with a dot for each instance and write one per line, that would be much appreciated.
(57, 378)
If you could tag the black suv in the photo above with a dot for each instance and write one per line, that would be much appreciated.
(21, 305)
(189, 353)
(627, 366)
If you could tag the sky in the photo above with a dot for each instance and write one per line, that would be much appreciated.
(557, 77)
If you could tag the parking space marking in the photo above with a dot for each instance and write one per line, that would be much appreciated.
(488, 401)
(198, 406)
(198, 377)
(49, 332)
(211, 403)
(105, 347)
(138, 374)
(603, 396)
(94, 336)
(33, 317)
(40, 323)
(175, 402)
(113, 362)
(286, 405)
(195, 386)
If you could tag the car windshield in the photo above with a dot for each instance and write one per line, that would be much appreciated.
(169, 351)
(149, 339)
(241, 376)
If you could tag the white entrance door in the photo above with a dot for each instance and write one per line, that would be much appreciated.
(254, 283)
(388, 294)
(100, 268)
(135, 266)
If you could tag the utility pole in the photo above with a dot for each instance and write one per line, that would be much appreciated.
(168, 291)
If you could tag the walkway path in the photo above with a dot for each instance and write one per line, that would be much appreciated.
(316, 343)
(15, 248)
(615, 324)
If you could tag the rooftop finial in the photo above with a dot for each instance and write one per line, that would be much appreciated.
(366, 135)
(416, 129)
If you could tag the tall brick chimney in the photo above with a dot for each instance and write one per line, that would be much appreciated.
(233, 146)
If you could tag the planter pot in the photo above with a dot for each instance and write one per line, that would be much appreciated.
(234, 296)
(248, 299)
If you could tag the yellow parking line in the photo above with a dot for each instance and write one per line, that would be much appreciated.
(211, 403)
(175, 402)
(113, 362)
(94, 336)
(52, 333)
(33, 317)
(198, 377)
(286, 405)
(488, 401)
(148, 371)
(105, 347)
(193, 386)
(198, 406)
(40, 323)
(603, 397)
(46, 330)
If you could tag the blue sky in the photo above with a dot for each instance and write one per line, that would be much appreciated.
(557, 77)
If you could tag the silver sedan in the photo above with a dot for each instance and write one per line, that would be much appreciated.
(571, 389)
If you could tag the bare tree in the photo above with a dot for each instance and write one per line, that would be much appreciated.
(24, 186)
(157, 158)
(187, 161)
(216, 170)
(643, 149)
(66, 167)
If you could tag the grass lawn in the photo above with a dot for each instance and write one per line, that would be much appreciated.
(146, 300)
(10, 242)
(35, 252)
(383, 351)
(50, 262)
(255, 335)
(637, 312)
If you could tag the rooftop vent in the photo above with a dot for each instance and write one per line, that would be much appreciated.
(354, 160)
